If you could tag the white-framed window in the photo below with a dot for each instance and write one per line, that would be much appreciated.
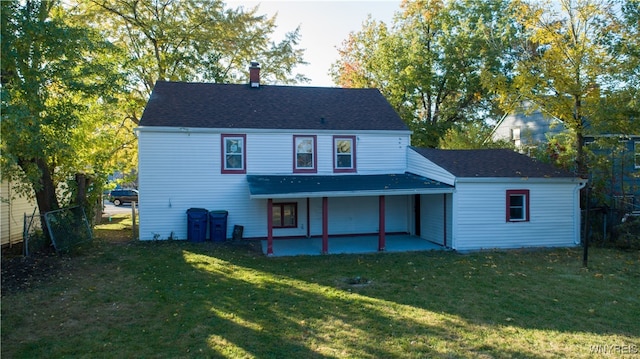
(636, 154)
(517, 205)
(285, 215)
(305, 159)
(344, 154)
(234, 148)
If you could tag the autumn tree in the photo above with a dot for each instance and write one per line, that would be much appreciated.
(195, 41)
(199, 40)
(567, 64)
(58, 80)
(621, 99)
(429, 64)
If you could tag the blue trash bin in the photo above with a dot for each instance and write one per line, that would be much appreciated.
(218, 225)
(197, 224)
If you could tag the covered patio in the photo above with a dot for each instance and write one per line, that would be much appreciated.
(349, 245)
(347, 235)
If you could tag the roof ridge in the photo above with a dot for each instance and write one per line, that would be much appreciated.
(228, 106)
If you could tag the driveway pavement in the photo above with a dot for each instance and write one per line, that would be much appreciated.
(110, 209)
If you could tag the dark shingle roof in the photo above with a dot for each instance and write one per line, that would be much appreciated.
(491, 163)
(207, 105)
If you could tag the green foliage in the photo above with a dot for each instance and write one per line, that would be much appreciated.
(623, 100)
(430, 63)
(195, 41)
(59, 79)
(558, 150)
(443, 64)
(71, 99)
(611, 165)
(627, 234)
(199, 40)
(568, 67)
(473, 135)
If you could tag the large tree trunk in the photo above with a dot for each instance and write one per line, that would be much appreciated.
(94, 210)
(46, 194)
(81, 196)
(581, 162)
(45, 190)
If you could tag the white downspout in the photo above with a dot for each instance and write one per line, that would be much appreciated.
(454, 219)
(577, 228)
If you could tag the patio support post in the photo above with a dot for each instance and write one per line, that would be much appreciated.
(444, 215)
(416, 210)
(270, 226)
(381, 233)
(325, 225)
(308, 219)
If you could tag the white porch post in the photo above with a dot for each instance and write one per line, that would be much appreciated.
(381, 219)
(270, 226)
(325, 225)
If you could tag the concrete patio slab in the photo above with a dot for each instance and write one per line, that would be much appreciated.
(349, 245)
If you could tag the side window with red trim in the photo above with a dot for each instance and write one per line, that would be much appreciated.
(517, 207)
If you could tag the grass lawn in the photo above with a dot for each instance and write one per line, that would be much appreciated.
(175, 299)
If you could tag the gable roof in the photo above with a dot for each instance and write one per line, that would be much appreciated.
(534, 127)
(209, 105)
(491, 163)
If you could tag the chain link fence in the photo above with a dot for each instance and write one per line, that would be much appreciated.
(33, 238)
(68, 227)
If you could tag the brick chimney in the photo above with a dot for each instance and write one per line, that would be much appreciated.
(254, 74)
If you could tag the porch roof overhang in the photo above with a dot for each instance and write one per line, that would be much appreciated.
(313, 186)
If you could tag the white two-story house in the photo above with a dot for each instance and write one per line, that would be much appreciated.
(303, 162)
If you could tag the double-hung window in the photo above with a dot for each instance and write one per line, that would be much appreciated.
(305, 159)
(344, 154)
(234, 153)
(636, 154)
(517, 205)
(285, 215)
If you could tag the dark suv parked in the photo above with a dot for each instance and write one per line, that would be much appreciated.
(120, 196)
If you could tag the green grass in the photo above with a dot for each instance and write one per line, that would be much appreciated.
(175, 299)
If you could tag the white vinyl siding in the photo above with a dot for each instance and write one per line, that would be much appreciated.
(182, 169)
(272, 153)
(382, 154)
(358, 215)
(480, 216)
(12, 211)
(421, 166)
(269, 153)
(435, 224)
(178, 171)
